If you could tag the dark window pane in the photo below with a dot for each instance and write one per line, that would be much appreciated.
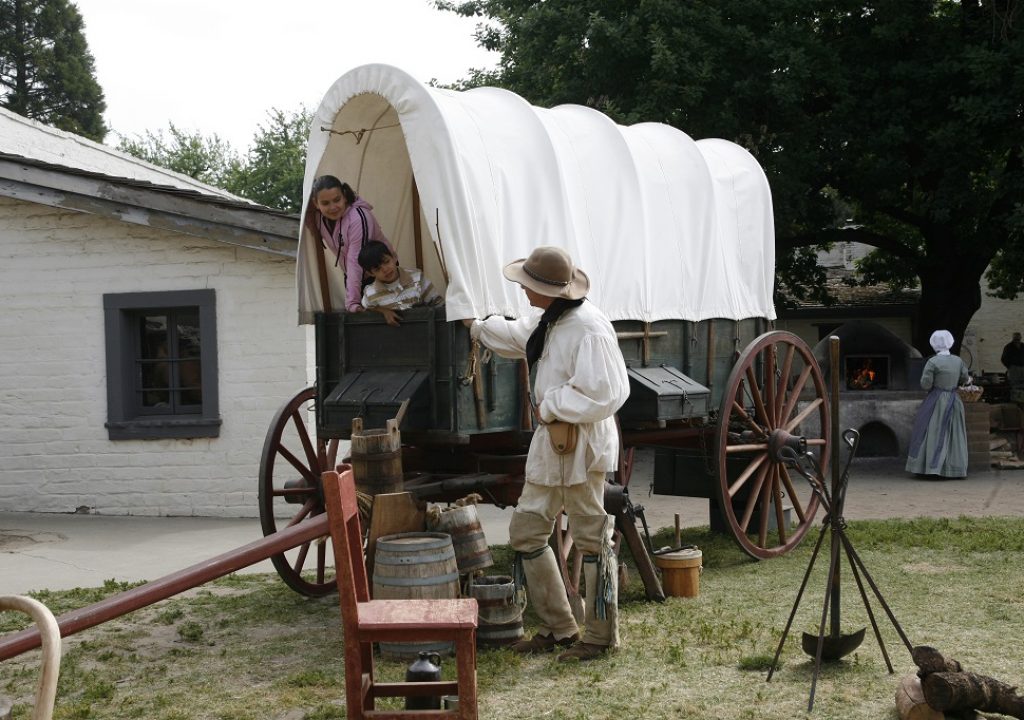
(189, 352)
(153, 337)
(153, 364)
(191, 382)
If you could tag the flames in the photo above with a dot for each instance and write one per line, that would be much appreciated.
(862, 377)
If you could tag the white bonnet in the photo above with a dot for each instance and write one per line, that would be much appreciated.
(941, 340)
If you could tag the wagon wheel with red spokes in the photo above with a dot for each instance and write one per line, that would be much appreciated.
(775, 399)
(290, 492)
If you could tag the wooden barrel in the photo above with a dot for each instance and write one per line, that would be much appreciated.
(415, 566)
(977, 419)
(500, 618)
(471, 549)
(377, 458)
(680, 572)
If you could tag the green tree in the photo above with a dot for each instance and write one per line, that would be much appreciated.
(46, 69)
(270, 172)
(211, 160)
(275, 163)
(910, 115)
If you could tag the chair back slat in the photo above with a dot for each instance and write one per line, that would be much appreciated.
(347, 539)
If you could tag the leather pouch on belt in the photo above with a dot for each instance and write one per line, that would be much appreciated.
(563, 436)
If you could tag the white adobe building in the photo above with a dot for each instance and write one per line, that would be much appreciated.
(147, 336)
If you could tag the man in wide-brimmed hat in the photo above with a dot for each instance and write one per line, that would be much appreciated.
(580, 383)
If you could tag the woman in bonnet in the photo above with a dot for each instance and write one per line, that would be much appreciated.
(938, 444)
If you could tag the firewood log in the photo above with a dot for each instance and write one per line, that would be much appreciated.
(949, 689)
(910, 702)
(956, 692)
(930, 660)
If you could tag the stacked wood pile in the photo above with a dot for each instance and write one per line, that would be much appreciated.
(943, 689)
(1006, 436)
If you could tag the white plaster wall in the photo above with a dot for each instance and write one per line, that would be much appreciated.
(55, 455)
(807, 329)
(990, 329)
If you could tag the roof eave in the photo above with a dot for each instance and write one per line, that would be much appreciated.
(155, 206)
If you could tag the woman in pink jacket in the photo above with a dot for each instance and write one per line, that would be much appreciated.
(343, 221)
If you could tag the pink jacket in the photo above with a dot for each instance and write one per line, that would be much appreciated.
(346, 239)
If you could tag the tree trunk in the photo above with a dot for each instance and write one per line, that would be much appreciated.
(949, 298)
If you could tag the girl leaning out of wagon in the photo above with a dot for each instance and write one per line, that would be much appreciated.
(344, 221)
(938, 444)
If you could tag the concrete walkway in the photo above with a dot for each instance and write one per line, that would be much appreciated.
(60, 551)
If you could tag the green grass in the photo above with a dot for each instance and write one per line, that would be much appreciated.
(247, 647)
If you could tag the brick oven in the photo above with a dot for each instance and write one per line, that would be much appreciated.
(880, 390)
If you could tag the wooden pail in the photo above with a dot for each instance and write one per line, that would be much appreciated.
(415, 566)
(680, 572)
(471, 549)
(377, 458)
(501, 619)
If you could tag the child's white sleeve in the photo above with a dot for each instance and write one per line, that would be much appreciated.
(429, 295)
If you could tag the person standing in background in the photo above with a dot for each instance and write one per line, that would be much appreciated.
(938, 443)
(1013, 360)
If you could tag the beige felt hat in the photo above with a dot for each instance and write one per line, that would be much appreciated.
(549, 271)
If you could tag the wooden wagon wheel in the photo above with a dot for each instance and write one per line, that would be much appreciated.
(774, 389)
(290, 491)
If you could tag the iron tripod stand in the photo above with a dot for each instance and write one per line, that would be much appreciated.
(833, 503)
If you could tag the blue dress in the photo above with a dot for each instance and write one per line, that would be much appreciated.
(938, 444)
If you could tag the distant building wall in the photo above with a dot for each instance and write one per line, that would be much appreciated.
(808, 329)
(55, 455)
(990, 329)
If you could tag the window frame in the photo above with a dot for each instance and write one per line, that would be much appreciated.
(121, 312)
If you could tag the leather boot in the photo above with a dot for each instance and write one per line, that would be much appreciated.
(602, 624)
(540, 643)
(546, 593)
(601, 576)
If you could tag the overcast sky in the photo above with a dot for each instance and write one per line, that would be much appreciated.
(218, 66)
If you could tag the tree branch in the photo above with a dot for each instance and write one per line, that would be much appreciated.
(906, 216)
(854, 234)
(1004, 203)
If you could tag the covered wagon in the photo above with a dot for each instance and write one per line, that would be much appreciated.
(677, 237)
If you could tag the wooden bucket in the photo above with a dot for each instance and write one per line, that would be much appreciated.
(415, 566)
(377, 458)
(680, 572)
(501, 619)
(471, 549)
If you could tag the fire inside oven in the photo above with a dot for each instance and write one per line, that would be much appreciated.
(867, 372)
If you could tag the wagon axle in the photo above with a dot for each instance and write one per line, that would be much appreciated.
(298, 490)
(780, 439)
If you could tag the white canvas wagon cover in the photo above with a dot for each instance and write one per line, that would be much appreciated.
(666, 227)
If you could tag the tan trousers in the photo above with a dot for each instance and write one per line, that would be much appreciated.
(532, 523)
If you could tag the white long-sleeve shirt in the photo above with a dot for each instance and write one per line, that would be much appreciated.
(581, 378)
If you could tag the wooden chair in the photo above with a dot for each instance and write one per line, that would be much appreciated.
(366, 621)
